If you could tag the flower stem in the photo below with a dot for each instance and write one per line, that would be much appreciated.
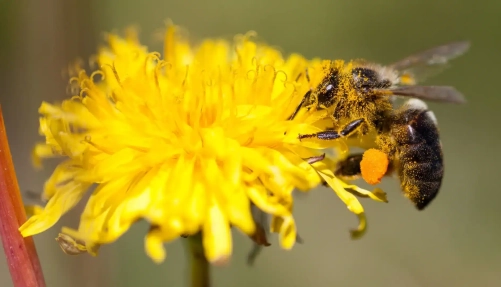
(200, 276)
(21, 254)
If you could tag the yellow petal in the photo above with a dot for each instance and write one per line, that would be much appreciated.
(350, 200)
(59, 204)
(216, 235)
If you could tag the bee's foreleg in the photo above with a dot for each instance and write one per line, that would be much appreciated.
(332, 135)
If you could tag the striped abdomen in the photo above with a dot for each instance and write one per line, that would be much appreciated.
(420, 160)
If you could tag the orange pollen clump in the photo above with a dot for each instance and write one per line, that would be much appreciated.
(374, 165)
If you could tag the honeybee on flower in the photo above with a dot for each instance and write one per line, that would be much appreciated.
(358, 98)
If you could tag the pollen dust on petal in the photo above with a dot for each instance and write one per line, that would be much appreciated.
(374, 165)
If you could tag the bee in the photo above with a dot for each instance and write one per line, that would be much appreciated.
(360, 98)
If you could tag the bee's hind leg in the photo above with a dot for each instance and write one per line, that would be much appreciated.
(332, 135)
(349, 167)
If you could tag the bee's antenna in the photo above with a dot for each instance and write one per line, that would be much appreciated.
(300, 105)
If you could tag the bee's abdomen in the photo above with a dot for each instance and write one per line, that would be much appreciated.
(420, 160)
(421, 179)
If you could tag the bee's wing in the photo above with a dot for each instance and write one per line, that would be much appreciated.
(430, 93)
(433, 56)
(426, 63)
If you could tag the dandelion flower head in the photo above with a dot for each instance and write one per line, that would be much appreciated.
(187, 142)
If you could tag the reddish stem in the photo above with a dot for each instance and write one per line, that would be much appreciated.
(21, 254)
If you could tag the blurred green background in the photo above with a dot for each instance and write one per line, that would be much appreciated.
(455, 242)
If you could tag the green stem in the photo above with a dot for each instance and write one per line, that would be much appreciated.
(200, 276)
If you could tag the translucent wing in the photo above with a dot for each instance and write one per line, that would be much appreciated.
(430, 93)
(433, 56)
(419, 66)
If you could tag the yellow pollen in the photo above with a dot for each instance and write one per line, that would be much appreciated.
(374, 165)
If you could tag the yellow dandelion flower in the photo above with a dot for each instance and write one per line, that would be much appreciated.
(188, 143)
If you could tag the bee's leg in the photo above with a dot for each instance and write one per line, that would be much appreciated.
(350, 166)
(332, 135)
